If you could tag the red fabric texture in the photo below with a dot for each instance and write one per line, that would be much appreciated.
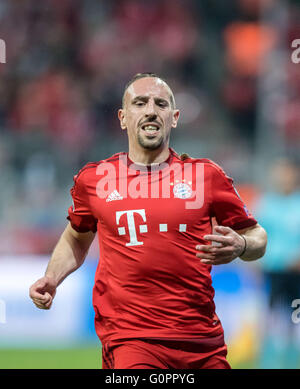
(149, 282)
(141, 354)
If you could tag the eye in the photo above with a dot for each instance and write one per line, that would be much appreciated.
(162, 104)
(139, 103)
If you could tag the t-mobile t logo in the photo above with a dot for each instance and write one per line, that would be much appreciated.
(131, 225)
(132, 228)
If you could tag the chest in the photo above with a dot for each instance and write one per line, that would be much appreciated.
(157, 204)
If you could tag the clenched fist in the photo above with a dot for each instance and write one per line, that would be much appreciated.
(42, 292)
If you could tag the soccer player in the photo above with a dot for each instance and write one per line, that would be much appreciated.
(152, 210)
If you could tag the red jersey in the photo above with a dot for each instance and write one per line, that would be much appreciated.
(149, 282)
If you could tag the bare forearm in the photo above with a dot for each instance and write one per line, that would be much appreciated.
(68, 255)
(256, 243)
(65, 259)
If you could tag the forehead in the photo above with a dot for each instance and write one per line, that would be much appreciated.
(148, 86)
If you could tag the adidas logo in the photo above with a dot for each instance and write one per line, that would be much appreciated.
(115, 195)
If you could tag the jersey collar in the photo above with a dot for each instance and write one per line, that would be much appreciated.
(134, 167)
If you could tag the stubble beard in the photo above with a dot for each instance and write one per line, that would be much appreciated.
(149, 144)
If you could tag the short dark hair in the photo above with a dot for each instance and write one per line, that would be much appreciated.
(138, 76)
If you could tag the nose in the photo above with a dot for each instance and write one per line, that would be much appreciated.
(150, 109)
(151, 117)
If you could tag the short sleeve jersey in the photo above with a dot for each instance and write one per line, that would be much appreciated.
(149, 282)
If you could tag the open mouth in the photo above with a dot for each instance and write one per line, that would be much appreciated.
(150, 129)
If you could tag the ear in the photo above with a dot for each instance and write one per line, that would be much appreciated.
(176, 115)
(121, 117)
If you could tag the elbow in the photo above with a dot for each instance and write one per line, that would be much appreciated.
(262, 252)
(263, 245)
(258, 246)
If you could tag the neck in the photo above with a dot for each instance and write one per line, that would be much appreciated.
(148, 157)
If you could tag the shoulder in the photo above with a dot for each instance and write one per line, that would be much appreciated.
(81, 173)
(210, 166)
(215, 169)
(91, 167)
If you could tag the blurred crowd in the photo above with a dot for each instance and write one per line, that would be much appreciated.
(68, 62)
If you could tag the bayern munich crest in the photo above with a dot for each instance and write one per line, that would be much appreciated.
(182, 191)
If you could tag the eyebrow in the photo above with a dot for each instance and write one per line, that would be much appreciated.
(146, 98)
